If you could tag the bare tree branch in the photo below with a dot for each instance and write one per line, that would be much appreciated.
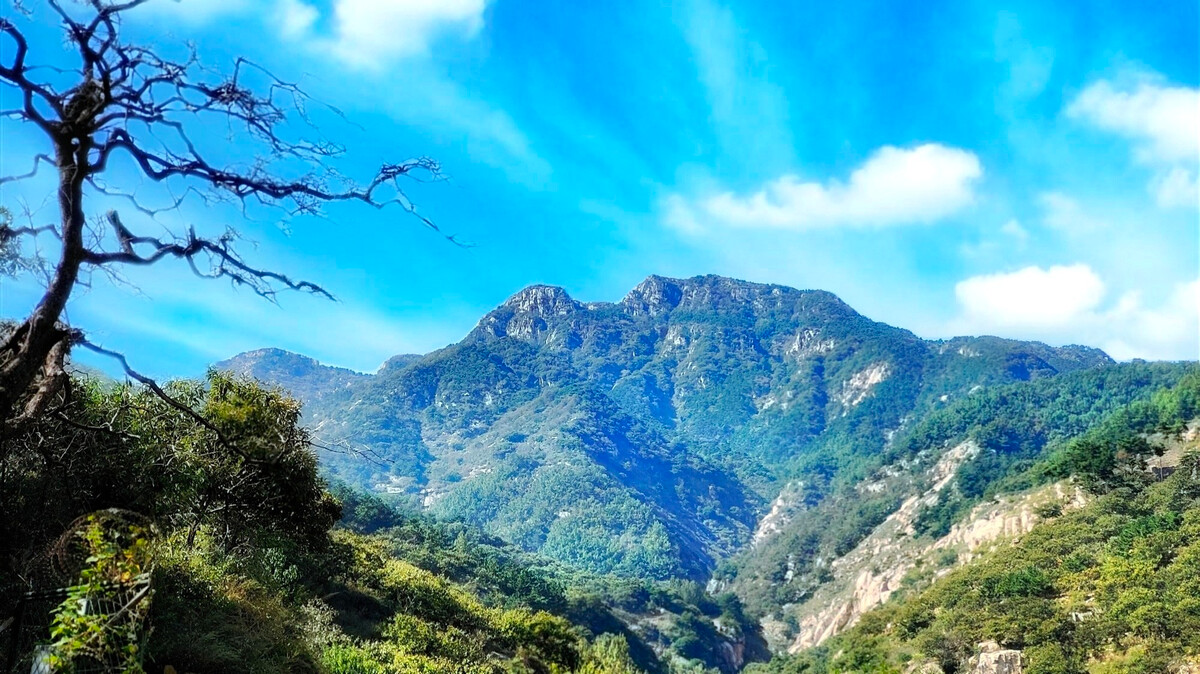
(126, 102)
(37, 162)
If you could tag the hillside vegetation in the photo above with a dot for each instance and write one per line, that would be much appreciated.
(1013, 426)
(249, 568)
(1110, 587)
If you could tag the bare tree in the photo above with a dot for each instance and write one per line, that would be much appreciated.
(127, 102)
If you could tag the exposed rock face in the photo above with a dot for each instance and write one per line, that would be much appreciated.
(732, 648)
(543, 301)
(780, 514)
(869, 574)
(859, 385)
(808, 343)
(529, 315)
(1189, 666)
(1009, 518)
(995, 660)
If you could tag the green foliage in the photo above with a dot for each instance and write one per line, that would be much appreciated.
(609, 654)
(432, 623)
(1110, 587)
(1016, 426)
(248, 572)
(1019, 427)
(12, 263)
(101, 619)
(503, 576)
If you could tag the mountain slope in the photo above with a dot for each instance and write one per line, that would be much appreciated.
(955, 456)
(645, 437)
(1103, 584)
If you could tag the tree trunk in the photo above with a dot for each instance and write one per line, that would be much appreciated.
(31, 348)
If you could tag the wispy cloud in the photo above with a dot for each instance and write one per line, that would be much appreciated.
(372, 34)
(1029, 65)
(1064, 214)
(748, 110)
(218, 322)
(1161, 120)
(372, 38)
(894, 186)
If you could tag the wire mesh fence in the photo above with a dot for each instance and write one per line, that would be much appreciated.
(75, 608)
(25, 642)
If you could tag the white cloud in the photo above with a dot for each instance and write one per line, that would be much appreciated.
(372, 33)
(1162, 121)
(1066, 304)
(367, 34)
(1031, 297)
(1170, 331)
(296, 18)
(894, 186)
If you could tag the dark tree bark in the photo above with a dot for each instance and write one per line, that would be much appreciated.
(126, 101)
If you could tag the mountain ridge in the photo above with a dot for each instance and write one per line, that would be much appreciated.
(649, 436)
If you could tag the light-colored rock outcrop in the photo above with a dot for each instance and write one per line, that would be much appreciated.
(859, 385)
(782, 510)
(1190, 665)
(808, 343)
(1005, 518)
(870, 574)
(993, 659)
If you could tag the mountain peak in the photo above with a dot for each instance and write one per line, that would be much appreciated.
(525, 314)
(655, 295)
(306, 378)
(249, 362)
(658, 295)
(542, 300)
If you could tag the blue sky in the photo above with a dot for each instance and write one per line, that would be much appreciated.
(1024, 169)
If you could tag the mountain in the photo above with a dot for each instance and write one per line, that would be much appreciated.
(645, 437)
(304, 377)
